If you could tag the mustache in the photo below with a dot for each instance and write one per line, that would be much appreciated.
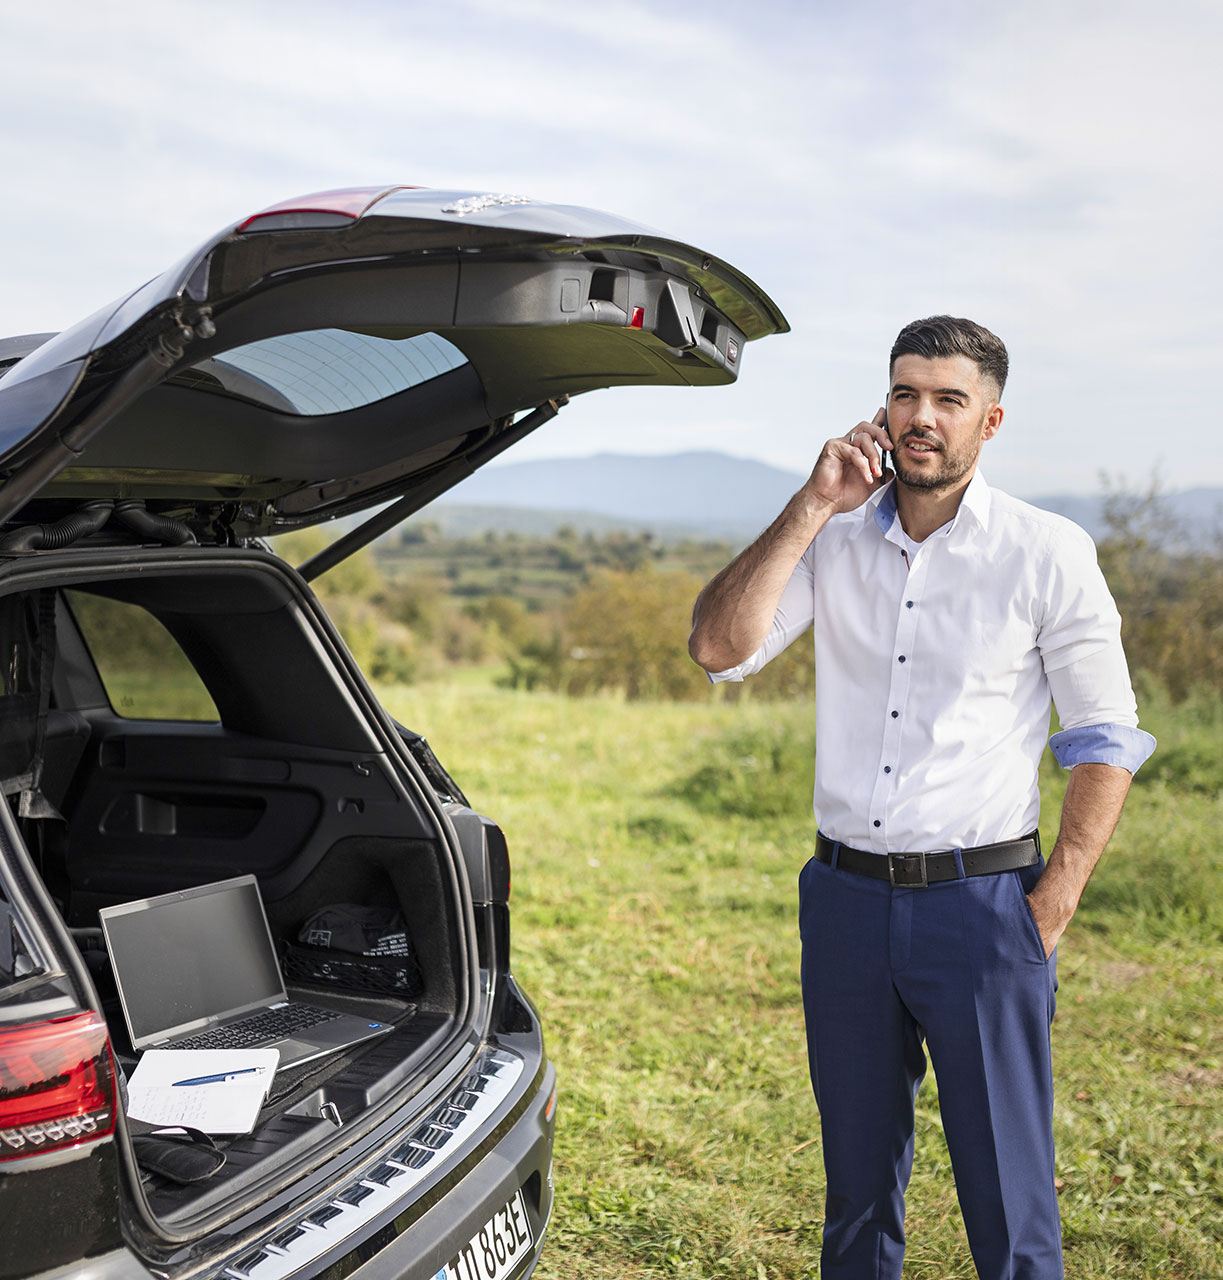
(922, 437)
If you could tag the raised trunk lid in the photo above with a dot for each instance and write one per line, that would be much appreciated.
(339, 351)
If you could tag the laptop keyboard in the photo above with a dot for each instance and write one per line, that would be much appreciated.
(259, 1028)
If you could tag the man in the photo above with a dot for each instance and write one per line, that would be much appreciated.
(946, 615)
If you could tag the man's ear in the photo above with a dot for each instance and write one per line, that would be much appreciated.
(993, 420)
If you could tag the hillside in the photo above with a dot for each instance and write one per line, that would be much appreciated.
(704, 494)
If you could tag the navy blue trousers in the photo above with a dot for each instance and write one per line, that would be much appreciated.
(960, 966)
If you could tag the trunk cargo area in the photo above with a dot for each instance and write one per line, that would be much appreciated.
(288, 772)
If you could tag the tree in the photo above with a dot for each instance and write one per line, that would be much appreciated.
(358, 575)
(1170, 595)
(628, 630)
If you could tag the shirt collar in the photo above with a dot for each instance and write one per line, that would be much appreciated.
(885, 506)
(976, 502)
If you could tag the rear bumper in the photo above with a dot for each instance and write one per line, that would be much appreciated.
(408, 1214)
(521, 1160)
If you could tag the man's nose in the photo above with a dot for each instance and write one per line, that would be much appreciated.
(923, 414)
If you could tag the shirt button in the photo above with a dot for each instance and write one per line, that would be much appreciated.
(908, 604)
(878, 823)
(887, 768)
(895, 714)
(901, 658)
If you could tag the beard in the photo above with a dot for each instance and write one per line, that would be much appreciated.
(952, 468)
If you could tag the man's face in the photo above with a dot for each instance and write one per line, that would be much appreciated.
(940, 413)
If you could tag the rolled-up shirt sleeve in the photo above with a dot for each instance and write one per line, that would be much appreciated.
(1080, 646)
(1116, 744)
(795, 613)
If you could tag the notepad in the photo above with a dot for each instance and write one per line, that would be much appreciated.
(222, 1106)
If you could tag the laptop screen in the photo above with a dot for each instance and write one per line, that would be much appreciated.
(185, 958)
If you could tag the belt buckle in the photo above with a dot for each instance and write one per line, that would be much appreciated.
(902, 858)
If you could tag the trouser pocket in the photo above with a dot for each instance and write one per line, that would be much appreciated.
(1024, 881)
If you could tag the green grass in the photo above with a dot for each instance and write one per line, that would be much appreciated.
(655, 851)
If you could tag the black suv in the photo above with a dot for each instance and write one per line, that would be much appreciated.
(354, 350)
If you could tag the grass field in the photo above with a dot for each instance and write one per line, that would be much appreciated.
(655, 851)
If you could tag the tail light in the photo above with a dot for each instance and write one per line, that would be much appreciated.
(324, 209)
(57, 1085)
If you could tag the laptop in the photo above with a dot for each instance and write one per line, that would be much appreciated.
(197, 969)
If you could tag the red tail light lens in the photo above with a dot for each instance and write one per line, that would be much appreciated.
(319, 211)
(57, 1085)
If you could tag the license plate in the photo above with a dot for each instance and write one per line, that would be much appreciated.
(496, 1249)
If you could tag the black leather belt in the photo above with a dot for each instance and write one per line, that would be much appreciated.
(916, 870)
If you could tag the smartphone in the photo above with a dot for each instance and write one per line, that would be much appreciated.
(884, 454)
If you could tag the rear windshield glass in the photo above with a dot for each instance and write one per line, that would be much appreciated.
(326, 370)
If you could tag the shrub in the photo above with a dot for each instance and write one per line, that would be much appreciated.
(629, 631)
(1170, 596)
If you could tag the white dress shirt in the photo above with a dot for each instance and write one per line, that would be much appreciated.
(935, 666)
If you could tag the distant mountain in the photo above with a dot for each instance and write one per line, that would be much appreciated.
(706, 492)
(692, 494)
(462, 520)
(1199, 512)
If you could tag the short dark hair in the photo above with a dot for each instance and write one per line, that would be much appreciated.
(940, 336)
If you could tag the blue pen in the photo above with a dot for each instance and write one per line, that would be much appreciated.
(221, 1077)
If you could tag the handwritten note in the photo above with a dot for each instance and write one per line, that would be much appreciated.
(223, 1106)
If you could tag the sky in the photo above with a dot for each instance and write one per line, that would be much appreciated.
(1048, 169)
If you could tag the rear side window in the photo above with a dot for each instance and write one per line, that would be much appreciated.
(145, 673)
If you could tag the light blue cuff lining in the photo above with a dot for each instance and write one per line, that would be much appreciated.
(1116, 744)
